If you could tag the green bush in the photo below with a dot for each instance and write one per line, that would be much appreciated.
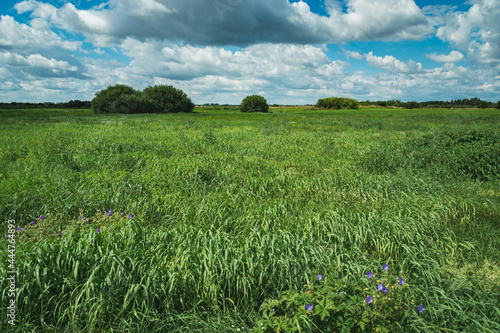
(106, 100)
(134, 104)
(337, 103)
(498, 105)
(169, 99)
(254, 103)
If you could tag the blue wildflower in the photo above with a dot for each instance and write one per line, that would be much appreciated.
(370, 274)
(309, 307)
(368, 299)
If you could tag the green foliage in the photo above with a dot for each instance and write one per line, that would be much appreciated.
(107, 100)
(216, 236)
(337, 103)
(169, 99)
(338, 302)
(254, 103)
(498, 105)
(158, 99)
(448, 153)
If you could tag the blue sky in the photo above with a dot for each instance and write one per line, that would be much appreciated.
(219, 51)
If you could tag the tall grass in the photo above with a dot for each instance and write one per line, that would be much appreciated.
(232, 209)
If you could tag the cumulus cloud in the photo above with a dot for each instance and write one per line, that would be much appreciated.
(239, 23)
(454, 56)
(393, 65)
(475, 32)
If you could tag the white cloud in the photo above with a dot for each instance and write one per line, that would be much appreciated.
(393, 65)
(241, 23)
(475, 32)
(454, 56)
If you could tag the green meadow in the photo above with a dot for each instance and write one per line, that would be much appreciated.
(205, 222)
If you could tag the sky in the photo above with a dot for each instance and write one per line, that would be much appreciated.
(219, 51)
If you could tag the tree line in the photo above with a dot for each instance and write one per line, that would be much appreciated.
(454, 103)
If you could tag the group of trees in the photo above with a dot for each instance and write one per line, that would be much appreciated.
(337, 103)
(454, 103)
(73, 104)
(158, 99)
(121, 98)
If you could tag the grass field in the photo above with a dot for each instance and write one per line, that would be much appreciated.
(204, 217)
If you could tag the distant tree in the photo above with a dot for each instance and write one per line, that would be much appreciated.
(168, 99)
(106, 100)
(337, 103)
(498, 105)
(254, 103)
(412, 105)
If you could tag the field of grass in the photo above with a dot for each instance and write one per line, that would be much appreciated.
(196, 222)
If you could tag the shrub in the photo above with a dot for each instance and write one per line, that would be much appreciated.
(254, 103)
(106, 100)
(134, 104)
(412, 105)
(337, 103)
(168, 99)
(498, 105)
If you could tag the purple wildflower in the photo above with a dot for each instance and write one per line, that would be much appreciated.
(386, 267)
(421, 308)
(368, 299)
(309, 307)
(320, 277)
(97, 230)
(380, 287)
(33, 222)
(129, 216)
(369, 274)
(386, 290)
(18, 228)
(401, 281)
(41, 218)
(109, 212)
(83, 218)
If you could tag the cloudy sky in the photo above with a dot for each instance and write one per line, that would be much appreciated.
(219, 51)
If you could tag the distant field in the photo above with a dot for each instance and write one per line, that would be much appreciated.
(202, 217)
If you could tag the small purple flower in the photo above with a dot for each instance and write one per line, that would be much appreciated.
(83, 218)
(341, 293)
(125, 182)
(421, 308)
(33, 222)
(309, 307)
(386, 267)
(368, 299)
(138, 185)
(401, 281)
(18, 228)
(129, 216)
(386, 290)
(97, 230)
(122, 213)
(320, 277)
(134, 215)
(380, 287)
(119, 189)
(109, 212)
(370, 274)
(41, 218)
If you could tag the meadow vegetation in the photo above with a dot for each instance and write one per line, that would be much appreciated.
(222, 221)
